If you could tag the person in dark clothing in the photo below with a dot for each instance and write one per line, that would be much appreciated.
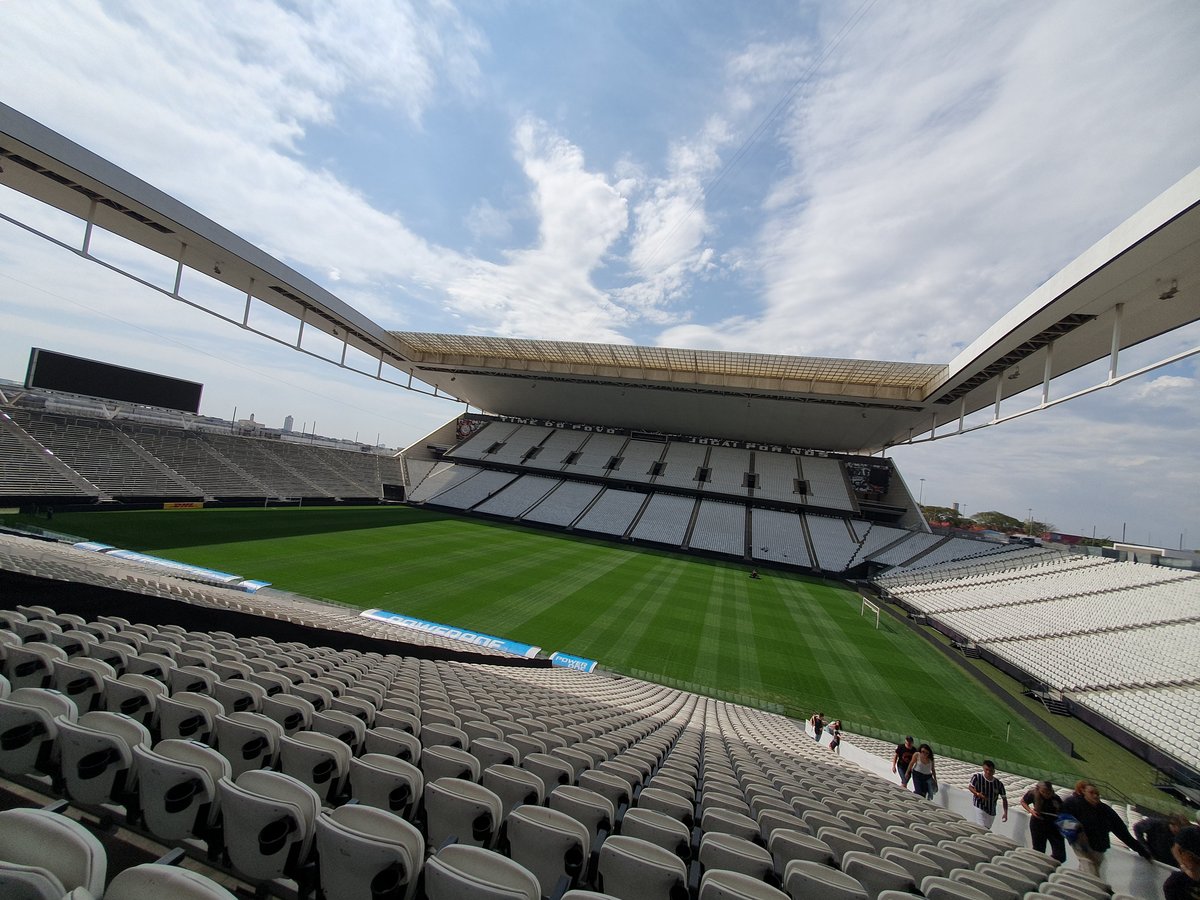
(902, 758)
(1159, 835)
(1097, 821)
(1043, 806)
(1185, 884)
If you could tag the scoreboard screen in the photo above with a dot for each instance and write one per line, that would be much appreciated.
(75, 375)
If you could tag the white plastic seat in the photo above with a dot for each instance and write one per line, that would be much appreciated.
(191, 679)
(918, 867)
(514, 787)
(723, 885)
(948, 860)
(320, 761)
(367, 852)
(82, 680)
(59, 846)
(589, 807)
(358, 707)
(189, 716)
(937, 888)
(292, 713)
(18, 882)
(633, 869)
(240, 695)
(269, 823)
(385, 782)
(876, 874)
(248, 740)
(148, 663)
(787, 844)
(658, 828)
(32, 665)
(394, 742)
(736, 854)
(135, 696)
(151, 881)
(552, 770)
(461, 872)
(455, 807)
(442, 761)
(1019, 880)
(346, 728)
(493, 752)
(550, 844)
(614, 788)
(729, 822)
(803, 878)
(97, 756)
(177, 787)
(29, 720)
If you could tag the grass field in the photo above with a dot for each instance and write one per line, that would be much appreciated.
(789, 642)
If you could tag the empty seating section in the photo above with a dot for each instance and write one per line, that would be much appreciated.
(777, 476)
(609, 784)
(728, 468)
(778, 536)
(595, 455)
(564, 504)
(24, 471)
(552, 453)
(518, 496)
(440, 479)
(832, 543)
(186, 451)
(637, 458)
(665, 520)
(100, 453)
(477, 444)
(518, 444)
(612, 513)
(682, 463)
(956, 549)
(720, 527)
(874, 537)
(902, 552)
(1122, 638)
(827, 485)
(479, 487)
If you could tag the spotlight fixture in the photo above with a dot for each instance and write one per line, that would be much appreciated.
(1170, 288)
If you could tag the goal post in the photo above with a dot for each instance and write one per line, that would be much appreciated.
(867, 604)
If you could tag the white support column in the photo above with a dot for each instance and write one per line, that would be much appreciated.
(249, 297)
(1119, 313)
(303, 320)
(87, 229)
(179, 269)
(345, 347)
(1048, 373)
(379, 371)
(999, 393)
(962, 412)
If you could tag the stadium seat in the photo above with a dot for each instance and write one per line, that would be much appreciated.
(671, 804)
(320, 761)
(633, 869)
(248, 740)
(269, 823)
(191, 679)
(918, 867)
(656, 828)
(367, 852)
(240, 695)
(292, 713)
(876, 874)
(136, 696)
(936, 888)
(151, 881)
(32, 665)
(842, 842)
(97, 756)
(349, 729)
(469, 812)
(514, 786)
(803, 879)
(386, 782)
(444, 761)
(550, 844)
(29, 720)
(177, 784)
(188, 715)
(737, 854)
(393, 742)
(492, 752)
(722, 885)
(460, 872)
(53, 851)
(613, 788)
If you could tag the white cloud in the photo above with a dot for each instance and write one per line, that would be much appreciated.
(1168, 390)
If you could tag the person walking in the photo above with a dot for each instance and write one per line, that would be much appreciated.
(923, 772)
(818, 725)
(902, 758)
(1097, 820)
(986, 788)
(835, 735)
(1158, 835)
(1043, 805)
(1185, 884)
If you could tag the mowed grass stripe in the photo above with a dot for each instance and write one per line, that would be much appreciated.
(787, 639)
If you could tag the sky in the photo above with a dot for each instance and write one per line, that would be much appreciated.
(877, 180)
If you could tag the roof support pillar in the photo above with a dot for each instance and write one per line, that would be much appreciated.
(87, 228)
(300, 331)
(1119, 313)
(179, 270)
(345, 347)
(249, 297)
(1048, 373)
(962, 412)
(999, 397)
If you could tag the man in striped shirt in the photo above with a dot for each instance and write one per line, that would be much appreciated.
(986, 788)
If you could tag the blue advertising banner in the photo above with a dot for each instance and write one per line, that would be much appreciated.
(458, 634)
(233, 581)
(567, 661)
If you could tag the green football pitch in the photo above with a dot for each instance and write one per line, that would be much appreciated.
(786, 642)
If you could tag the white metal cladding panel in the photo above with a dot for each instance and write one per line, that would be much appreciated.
(832, 543)
(826, 483)
(665, 519)
(565, 504)
(778, 536)
(637, 458)
(613, 512)
(720, 527)
(471, 491)
(442, 477)
(777, 474)
(729, 467)
(682, 461)
(518, 496)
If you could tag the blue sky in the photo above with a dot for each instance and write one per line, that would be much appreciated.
(865, 179)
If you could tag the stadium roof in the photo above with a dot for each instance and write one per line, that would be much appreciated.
(1140, 281)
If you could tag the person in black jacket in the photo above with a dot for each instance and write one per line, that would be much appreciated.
(1097, 821)
(1043, 806)
(1185, 884)
(1159, 835)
